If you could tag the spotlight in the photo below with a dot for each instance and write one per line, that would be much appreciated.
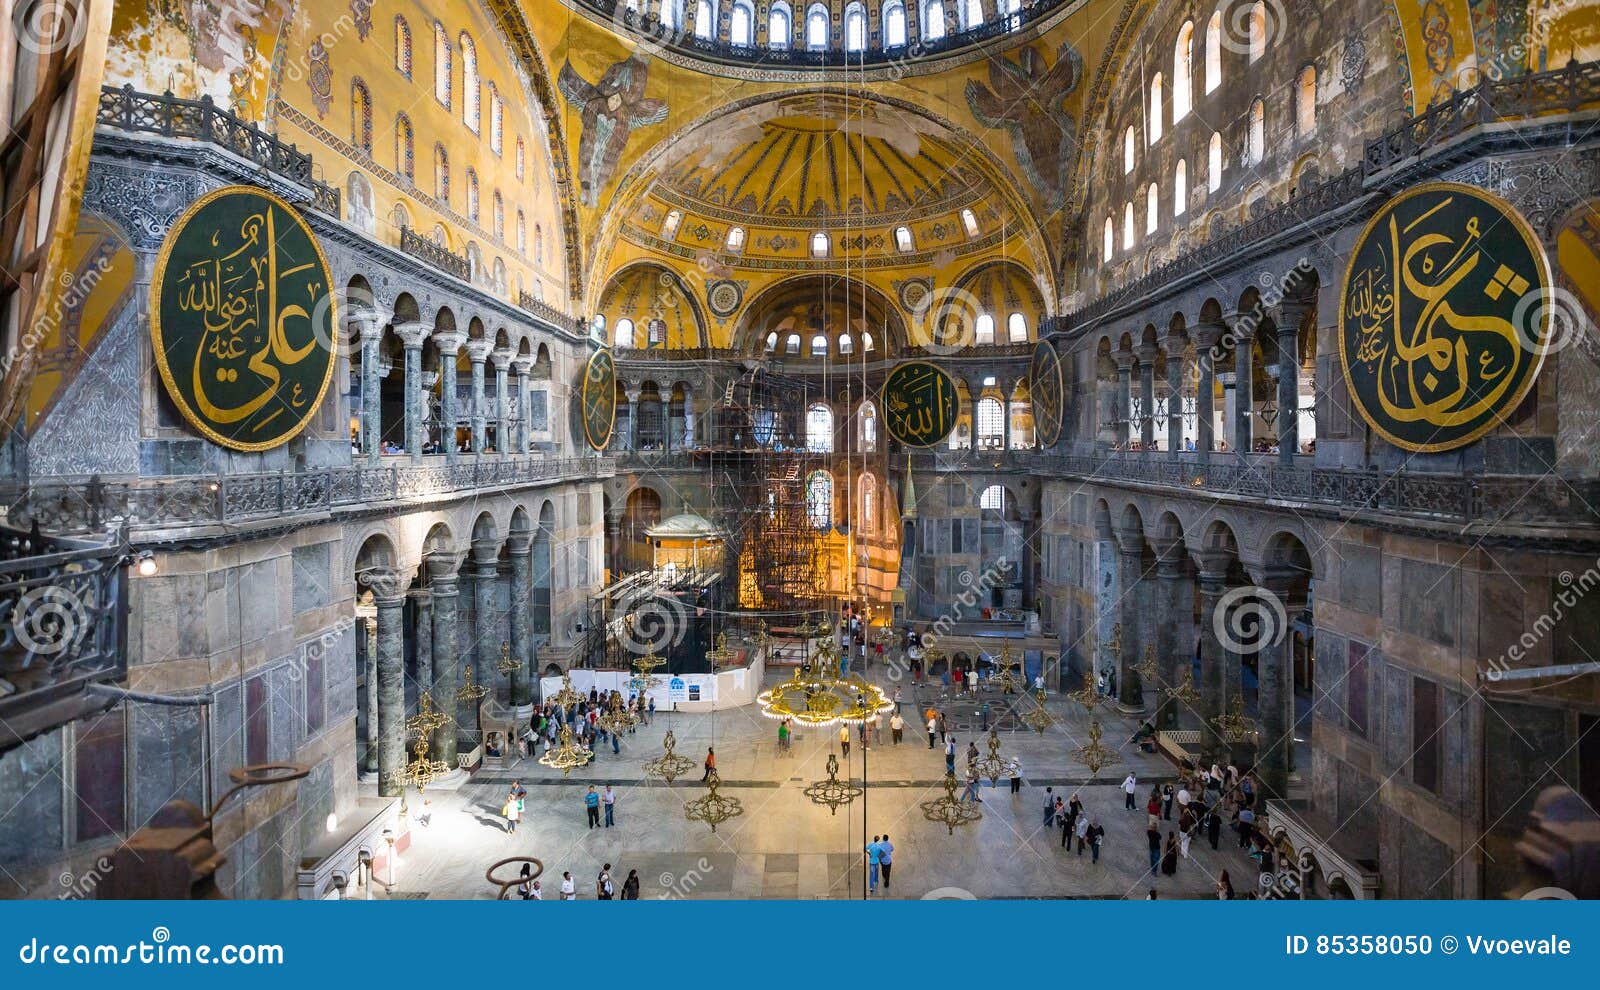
(147, 564)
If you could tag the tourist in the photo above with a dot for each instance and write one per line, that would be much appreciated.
(933, 727)
(1213, 823)
(609, 799)
(1152, 833)
(1081, 830)
(1152, 807)
(1016, 781)
(1075, 807)
(569, 890)
(897, 701)
(897, 725)
(1169, 857)
(535, 892)
(630, 886)
(874, 860)
(950, 754)
(844, 739)
(1130, 785)
(1224, 887)
(1186, 827)
(972, 753)
(1097, 835)
(972, 785)
(711, 763)
(602, 884)
(512, 812)
(650, 713)
(591, 803)
(1168, 796)
(1063, 822)
(525, 888)
(1183, 797)
(616, 747)
(1049, 804)
(886, 858)
(783, 736)
(1245, 821)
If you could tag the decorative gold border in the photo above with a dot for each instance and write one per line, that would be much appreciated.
(1061, 391)
(159, 276)
(1535, 247)
(883, 391)
(584, 391)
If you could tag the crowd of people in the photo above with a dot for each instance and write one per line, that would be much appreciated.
(583, 718)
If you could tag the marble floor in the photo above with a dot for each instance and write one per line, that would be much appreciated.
(784, 846)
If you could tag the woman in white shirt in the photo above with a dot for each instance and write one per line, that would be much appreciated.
(569, 890)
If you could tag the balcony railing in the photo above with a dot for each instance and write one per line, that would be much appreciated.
(63, 608)
(437, 255)
(544, 310)
(126, 109)
(85, 505)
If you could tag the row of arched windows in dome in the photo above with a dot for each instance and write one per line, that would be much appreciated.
(814, 30)
(821, 245)
(818, 344)
(1182, 101)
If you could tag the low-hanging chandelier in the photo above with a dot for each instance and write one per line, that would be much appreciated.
(819, 697)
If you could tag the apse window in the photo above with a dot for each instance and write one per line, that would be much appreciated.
(741, 25)
(819, 345)
(705, 20)
(819, 429)
(792, 345)
(993, 499)
(778, 24)
(624, 337)
(971, 14)
(1017, 327)
(1214, 163)
(933, 20)
(847, 345)
(1110, 245)
(894, 25)
(1214, 52)
(902, 239)
(819, 245)
(1183, 72)
(855, 28)
(1155, 108)
(669, 226)
(735, 240)
(1152, 209)
(1258, 132)
(1306, 102)
(772, 341)
(656, 333)
(985, 330)
(1180, 188)
(1128, 148)
(969, 221)
(819, 499)
(866, 341)
(817, 27)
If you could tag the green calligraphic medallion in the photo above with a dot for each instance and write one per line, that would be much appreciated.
(597, 398)
(1047, 392)
(1445, 316)
(242, 319)
(919, 403)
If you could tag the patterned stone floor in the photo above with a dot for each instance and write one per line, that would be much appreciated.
(783, 846)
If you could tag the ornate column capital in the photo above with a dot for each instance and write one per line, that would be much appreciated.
(485, 553)
(1169, 554)
(443, 565)
(413, 335)
(449, 342)
(1130, 541)
(518, 544)
(1124, 359)
(1292, 313)
(1146, 354)
(478, 350)
(388, 585)
(522, 364)
(367, 323)
(502, 357)
(1208, 333)
(1213, 568)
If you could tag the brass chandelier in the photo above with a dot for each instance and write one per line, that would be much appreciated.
(567, 696)
(617, 719)
(950, 810)
(713, 808)
(833, 792)
(994, 766)
(1235, 726)
(819, 698)
(567, 756)
(1037, 718)
(1094, 754)
(669, 766)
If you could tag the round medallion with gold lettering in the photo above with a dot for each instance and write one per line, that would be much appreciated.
(1047, 393)
(597, 398)
(242, 318)
(919, 404)
(1444, 320)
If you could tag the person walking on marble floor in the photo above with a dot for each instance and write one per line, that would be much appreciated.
(972, 785)
(1081, 829)
(950, 754)
(886, 858)
(1130, 786)
(1016, 779)
(591, 803)
(897, 727)
(1169, 856)
(844, 740)
(933, 728)
(569, 889)
(1152, 833)
(630, 886)
(609, 799)
(616, 748)
(1097, 835)
(603, 888)
(513, 807)
(711, 763)
(1049, 804)
(874, 861)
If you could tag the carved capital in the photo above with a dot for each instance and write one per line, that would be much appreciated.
(478, 350)
(449, 342)
(413, 335)
(387, 584)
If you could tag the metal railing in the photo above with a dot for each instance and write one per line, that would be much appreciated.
(91, 504)
(545, 311)
(63, 627)
(440, 257)
(126, 109)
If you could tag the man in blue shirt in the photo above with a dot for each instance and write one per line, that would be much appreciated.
(886, 858)
(591, 801)
(874, 858)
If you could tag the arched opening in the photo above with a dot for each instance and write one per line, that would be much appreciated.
(640, 513)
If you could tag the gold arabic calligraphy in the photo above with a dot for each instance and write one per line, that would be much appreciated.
(918, 400)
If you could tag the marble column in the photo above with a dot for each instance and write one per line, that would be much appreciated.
(368, 613)
(1174, 624)
(523, 366)
(632, 440)
(1147, 394)
(449, 343)
(1213, 658)
(1275, 670)
(1205, 341)
(1134, 607)
(370, 327)
(520, 548)
(688, 419)
(485, 638)
(1174, 350)
(388, 590)
(477, 353)
(1124, 424)
(413, 335)
(1244, 401)
(1293, 313)
(442, 568)
(422, 638)
(502, 399)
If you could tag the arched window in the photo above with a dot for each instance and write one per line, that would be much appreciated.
(522, 164)
(499, 215)
(819, 428)
(819, 245)
(472, 195)
(1127, 226)
(991, 423)
(819, 499)
(792, 344)
(1017, 328)
(1152, 208)
(969, 222)
(735, 241)
(817, 27)
(624, 336)
(894, 24)
(867, 343)
(869, 502)
(779, 26)
(847, 344)
(1129, 146)
(669, 226)
(402, 46)
(855, 28)
(672, 15)
(538, 244)
(441, 174)
(741, 25)
(772, 341)
(497, 117)
(705, 20)
(1155, 108)
(655, 333)
(1214, 52)
(971, 14)
(819, 345)
(361, 116)
(1110, 244)
(902, 239)
(1214, 163)
(403, 148)
(1258, 30)
(984, 334)
(867, 440)
(932, 20)
(1183, 72)
(1258, 132)
(1306, 102)
(469, 83)
(1180, 188)
(441, 65)
(993, 499)
(1011, 8)
(522, 234)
